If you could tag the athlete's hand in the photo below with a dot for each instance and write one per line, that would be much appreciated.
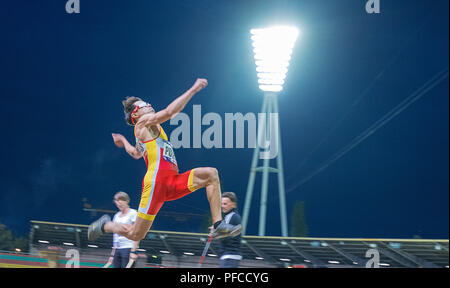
(199, 84)
(118, 139)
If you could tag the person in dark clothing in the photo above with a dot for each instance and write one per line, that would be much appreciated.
(230, 248)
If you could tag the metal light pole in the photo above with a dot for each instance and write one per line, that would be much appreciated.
(272, 48)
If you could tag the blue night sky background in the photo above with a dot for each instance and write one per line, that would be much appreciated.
(64, 77)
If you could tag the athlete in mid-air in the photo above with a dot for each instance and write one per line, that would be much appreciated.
(162, 182)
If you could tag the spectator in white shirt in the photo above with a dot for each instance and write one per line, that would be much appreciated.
(124, 249)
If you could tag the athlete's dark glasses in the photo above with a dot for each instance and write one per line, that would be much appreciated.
(137, 109)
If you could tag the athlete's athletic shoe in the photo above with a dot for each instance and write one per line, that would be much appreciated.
(226, 230)
(95, 229)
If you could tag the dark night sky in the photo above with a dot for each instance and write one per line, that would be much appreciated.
(64, 76)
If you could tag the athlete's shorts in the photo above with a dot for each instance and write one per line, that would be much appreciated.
(167, 185)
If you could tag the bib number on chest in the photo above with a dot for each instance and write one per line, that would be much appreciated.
(168, 153)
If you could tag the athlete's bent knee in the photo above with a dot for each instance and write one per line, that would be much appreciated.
(213, 174)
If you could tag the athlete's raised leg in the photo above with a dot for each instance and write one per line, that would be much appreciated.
(135, 232)
(208, 177)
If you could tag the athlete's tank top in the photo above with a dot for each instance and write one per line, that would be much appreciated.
(158, 152)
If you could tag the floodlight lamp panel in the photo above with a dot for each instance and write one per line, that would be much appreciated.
(280, 76)
(271, 88)
(269, 70)
(272, 49)
(272, 63)
(271, 81)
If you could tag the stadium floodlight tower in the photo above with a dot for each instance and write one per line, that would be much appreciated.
(272, 49)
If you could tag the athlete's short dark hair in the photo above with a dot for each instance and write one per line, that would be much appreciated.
(128, 107)
(231, 196)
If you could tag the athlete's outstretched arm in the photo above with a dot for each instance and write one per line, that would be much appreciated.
(122, 142)
(174, 108)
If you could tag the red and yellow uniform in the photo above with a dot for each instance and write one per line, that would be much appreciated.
(162, 181)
